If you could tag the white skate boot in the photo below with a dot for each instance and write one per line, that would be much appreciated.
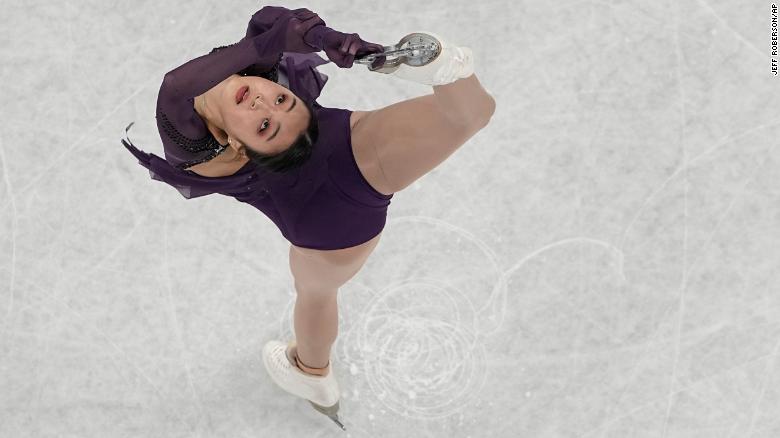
(321, 391)
(424, 57)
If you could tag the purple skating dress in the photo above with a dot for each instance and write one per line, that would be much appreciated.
(324, 204)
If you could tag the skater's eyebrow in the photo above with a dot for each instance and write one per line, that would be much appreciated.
(279, 126)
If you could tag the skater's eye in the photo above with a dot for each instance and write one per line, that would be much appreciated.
(278, 125)
(267, 122)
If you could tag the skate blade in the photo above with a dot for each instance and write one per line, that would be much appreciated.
(416, 50)
(331, 412)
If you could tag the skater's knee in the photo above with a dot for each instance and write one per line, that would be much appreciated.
(315, 295)
(466, 103)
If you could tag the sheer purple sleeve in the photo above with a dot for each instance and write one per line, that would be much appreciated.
(304, 30)
(313, 32)
(183, 133)
(269, 33)
(190, 186)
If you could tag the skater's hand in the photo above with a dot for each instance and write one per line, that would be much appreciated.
(342, 48)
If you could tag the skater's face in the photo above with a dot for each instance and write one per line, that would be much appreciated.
(267, 118)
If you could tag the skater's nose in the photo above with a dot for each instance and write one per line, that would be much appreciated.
(257, 102)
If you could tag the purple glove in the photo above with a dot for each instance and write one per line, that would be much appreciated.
(342, 48)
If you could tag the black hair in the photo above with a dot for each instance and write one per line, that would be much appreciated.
(296, 154)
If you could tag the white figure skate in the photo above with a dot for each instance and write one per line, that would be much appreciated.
(321, 391)
(425, 58)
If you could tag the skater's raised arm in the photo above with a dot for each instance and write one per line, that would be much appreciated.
(271, 31)
(306, 34)
(340, 48)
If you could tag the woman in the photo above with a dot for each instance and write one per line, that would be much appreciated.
(243, 121)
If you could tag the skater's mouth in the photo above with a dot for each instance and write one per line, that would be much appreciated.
(241, 94)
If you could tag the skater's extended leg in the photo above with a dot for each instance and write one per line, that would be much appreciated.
(396, 145)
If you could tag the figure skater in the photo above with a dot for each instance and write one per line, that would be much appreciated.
(243, 121)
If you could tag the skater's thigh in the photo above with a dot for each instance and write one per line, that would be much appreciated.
(397, 144)
(324, 271)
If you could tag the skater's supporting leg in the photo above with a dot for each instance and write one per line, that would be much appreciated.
(316, 320)
(318, 275)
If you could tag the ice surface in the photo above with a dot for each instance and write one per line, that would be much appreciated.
(600, 261)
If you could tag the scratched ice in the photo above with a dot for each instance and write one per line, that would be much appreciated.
(601, 261)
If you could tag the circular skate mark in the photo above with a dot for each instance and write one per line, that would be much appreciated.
(422, 355)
